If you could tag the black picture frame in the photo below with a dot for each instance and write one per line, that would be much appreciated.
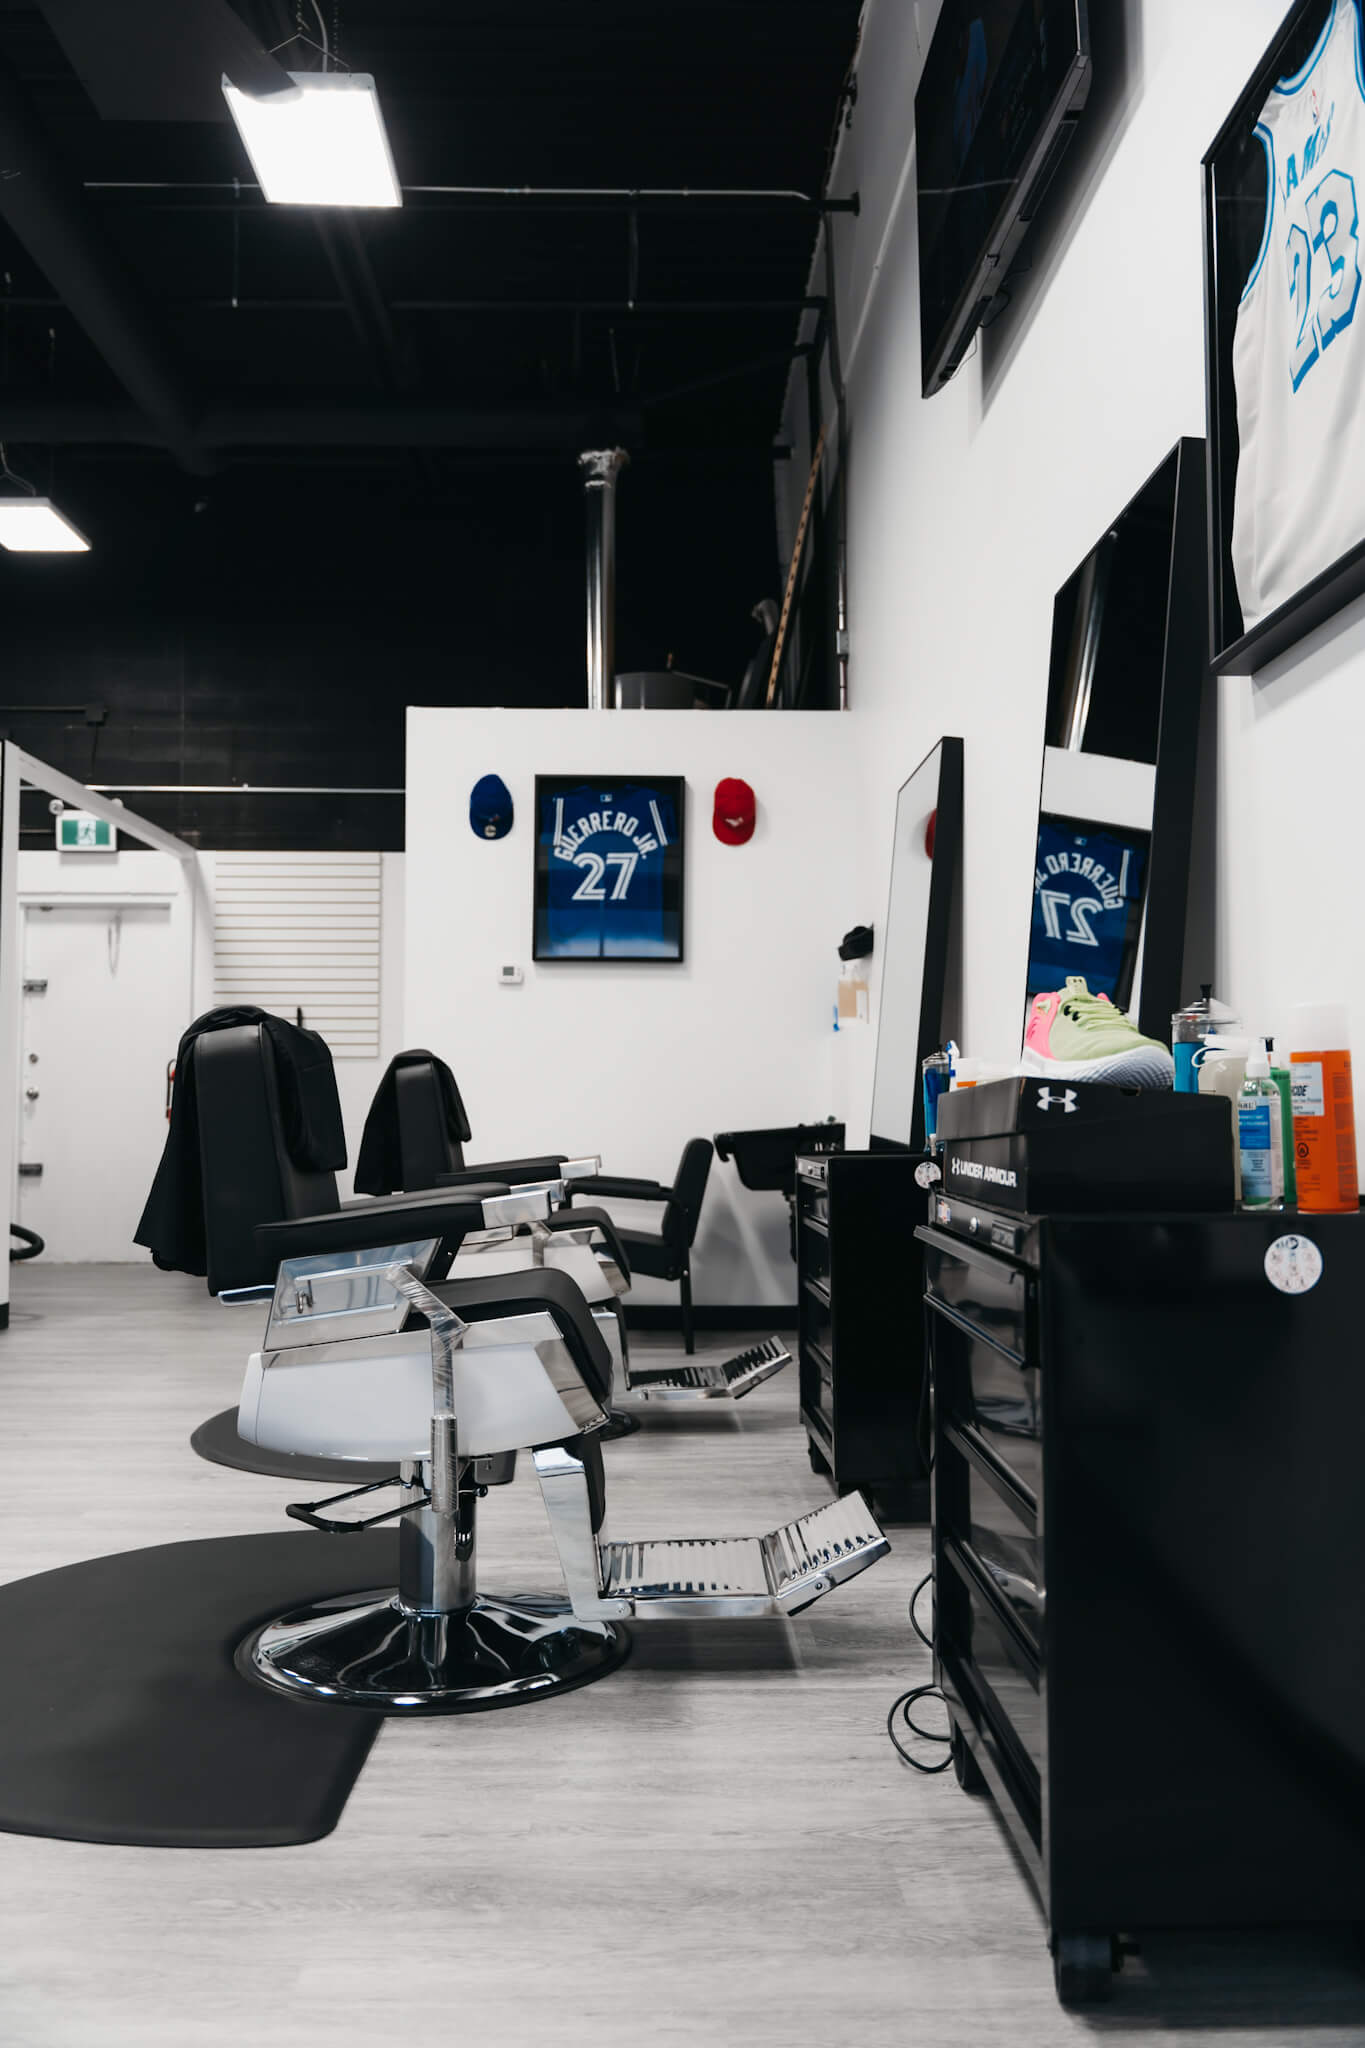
(921, 792)
(648, 816)
(1234, 179)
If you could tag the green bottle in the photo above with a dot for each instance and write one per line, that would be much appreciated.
(1280, 1076)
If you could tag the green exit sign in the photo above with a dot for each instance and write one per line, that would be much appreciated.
(83, 832)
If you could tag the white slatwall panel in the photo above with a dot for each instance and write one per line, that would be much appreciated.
(302, 931)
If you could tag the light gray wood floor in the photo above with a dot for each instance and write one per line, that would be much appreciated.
(716, 1845)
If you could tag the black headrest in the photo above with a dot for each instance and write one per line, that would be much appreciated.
(247, 1174)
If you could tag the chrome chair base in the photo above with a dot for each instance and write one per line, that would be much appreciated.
(366, 1651)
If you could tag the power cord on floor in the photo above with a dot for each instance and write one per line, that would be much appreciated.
(901, 1707)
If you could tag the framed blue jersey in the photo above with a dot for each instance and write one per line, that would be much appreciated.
(609, 867)
(1089, 883)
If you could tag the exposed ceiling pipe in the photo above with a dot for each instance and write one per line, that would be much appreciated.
(563, 429)
(601, 467)
(48, 212)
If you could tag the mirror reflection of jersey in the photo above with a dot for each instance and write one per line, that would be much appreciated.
(1087, 902)
(605, 892)
(1300, 500)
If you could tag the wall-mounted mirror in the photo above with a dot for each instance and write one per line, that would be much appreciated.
(1129, 650)
(926, 861)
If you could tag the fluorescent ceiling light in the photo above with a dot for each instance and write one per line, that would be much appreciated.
(34, 526)
(323, 144)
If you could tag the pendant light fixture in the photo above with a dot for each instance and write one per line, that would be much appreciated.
(320, 140)
(30, 525)
(321, 143)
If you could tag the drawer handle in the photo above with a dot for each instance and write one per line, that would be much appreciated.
(974, 1572)
(970, 1329)
(1012, 1490)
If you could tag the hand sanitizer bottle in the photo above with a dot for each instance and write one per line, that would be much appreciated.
(1260, 1134)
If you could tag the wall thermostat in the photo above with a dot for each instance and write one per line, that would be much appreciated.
(510, 977)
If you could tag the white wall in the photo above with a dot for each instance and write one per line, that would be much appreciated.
(630, 1061)
(966, 512)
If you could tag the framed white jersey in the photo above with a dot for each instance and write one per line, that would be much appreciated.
(609, 868)
(1298, 354)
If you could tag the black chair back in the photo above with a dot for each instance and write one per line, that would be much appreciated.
(426, 1148)
(246, 1172)
(682, 1212)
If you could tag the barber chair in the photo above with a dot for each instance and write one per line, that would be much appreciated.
(259, 1207)
(580, 1240)
(368, 1356)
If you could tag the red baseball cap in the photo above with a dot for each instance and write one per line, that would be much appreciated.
(733, 817)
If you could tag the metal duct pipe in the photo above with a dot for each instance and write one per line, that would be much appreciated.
(51, 217)
(601, 467)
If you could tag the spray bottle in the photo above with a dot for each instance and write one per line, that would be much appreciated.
(1324, 1107)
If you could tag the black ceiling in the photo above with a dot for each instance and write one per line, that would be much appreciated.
(500, 306)
(327, 460)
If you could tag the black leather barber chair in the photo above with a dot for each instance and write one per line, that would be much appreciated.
(416, 1125)
(366, 1356)
(260, 1207)
(665, 1253)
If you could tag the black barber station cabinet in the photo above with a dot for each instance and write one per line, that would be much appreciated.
(1148, 1541)
(861, 1361)
(864, 1402)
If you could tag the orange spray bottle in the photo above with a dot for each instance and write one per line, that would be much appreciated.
(1324, 1107)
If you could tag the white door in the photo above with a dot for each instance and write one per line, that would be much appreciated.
(102, 1004)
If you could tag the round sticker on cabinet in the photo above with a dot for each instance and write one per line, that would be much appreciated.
(1293, 1264)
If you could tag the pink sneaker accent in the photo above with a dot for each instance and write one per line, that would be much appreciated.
(1041, 1017)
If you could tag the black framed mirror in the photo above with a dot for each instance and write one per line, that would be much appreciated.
(1116, 807)
(926, 861)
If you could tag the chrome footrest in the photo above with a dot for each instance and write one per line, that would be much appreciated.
(726, 1381)
(730, 1577)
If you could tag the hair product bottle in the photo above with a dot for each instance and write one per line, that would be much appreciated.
(1221, 1071)
(1279, 1074)
(1190, 1027)
(1324, 1107)
(1260, 1135)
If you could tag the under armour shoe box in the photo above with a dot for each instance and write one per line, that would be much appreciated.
(1043, 1148)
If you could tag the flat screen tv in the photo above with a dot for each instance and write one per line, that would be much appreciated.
(1003, 85)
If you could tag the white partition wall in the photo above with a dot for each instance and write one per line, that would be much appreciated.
(632, 1060)
(968, 511)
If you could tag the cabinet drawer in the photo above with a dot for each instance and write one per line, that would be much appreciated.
(814, 1251)
(989, 1295)
(813, 1199)
(1009, 1553)
(1002, 1669)
(816, 1315)
(991, 1396)
(817, 1389)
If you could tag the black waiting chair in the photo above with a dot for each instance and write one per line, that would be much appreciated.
(665, 1253)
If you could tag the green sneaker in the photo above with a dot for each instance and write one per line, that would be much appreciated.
(1074, 1036)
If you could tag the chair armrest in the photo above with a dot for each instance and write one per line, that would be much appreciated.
(522, 1293)
(391, 1219)
(628, 1190)
(516, 1172)
(592, 1219)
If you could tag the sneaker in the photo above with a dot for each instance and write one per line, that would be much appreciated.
(1074, 1036)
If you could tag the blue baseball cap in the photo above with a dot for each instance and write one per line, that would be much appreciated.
(490, 808)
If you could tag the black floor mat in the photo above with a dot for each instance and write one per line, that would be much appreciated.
(218, 1441)
(123, 1720)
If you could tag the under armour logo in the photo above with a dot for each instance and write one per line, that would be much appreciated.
(1066, 1100)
